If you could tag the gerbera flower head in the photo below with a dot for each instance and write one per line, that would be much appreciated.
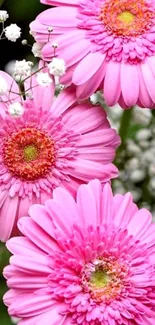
(116, 38)
(88, 261)
(54, 142)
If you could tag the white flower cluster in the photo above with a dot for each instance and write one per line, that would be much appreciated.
(3, 16)
(22, 69)
(57, 67)
(43, 79)
(16, 109)
(12, 32)
(36, 50)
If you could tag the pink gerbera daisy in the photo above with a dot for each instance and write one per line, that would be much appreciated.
(55, 142)
(89, 261)
(106, 44)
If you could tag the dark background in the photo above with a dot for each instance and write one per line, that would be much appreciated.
(21, 12)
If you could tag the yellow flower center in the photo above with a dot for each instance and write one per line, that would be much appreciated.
(126, 17)
(99, 278)
(30, 153)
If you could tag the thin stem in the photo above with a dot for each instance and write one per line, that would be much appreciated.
(125, 123)
(124, 128)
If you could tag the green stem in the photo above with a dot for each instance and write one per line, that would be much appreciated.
(125, 124)
(124, 128)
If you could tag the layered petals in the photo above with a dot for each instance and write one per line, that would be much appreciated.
(86, 260)
(109, 47)
(56, 142)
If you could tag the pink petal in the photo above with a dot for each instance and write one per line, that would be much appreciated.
(87, 170)
(129, 77)
(83, 72)
(106, 205)
(76, 52)
(59, 17)
(63, 41)
(29, 227)
(111, 88)
(143, 92)
(139, 223)
(124, 209)
(8, 214)
(60, 2)
(149, 80)
(86, 118)
(63, 101)
(89, 87)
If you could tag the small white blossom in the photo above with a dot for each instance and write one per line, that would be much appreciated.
(43, 79)
(50, 29)
(55, 45)
(12, 32)
(3, 16)
(22, 69)
(143, 134)
(24, 42)
(36, 50)
(3, 86)
(57, 67)
(15, 320)
(94, 98)
(132, 148)
(142, 116)
(137, 175)
(16, 109)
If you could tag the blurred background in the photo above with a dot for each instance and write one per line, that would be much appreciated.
(135, 157)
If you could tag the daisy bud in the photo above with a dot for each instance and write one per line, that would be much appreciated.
(24, 42)
(3, 16)
(16, 109)
(12, 32)
(55, 45)
(3, 86)
(15, 320)
(50, 29)
(43, 79)
(57, 67)
(94, 98)
(36, 50)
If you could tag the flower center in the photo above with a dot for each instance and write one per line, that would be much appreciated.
(29, 154)
(104, 279)
(99, 278)
(126, 17)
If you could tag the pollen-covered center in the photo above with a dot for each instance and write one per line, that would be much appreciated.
(104, 279)
(29, 153)
(126, 17)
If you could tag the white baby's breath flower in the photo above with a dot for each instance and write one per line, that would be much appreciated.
(3, 86)
(36, 49)
(143, 134)
(15, 320)
(3, 16)
(22, 69)
(94, 98)
(16, 109)
(137, 175)
(57, 67)
(43, 79)
(12, 32)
